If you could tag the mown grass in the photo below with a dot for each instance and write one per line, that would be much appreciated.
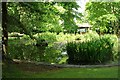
(12, 71)
(81, 73)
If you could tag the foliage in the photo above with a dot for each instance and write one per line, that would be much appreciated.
(54, 37)
(40, 19)
(65, 37)
(104, 16)
(52, 54)
(91, 35)
(47, 37)
(69, 15)
(25, 49)
(94, 51)
(22, 15)
(113, 38)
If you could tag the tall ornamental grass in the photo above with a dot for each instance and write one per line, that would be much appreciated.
(93, 50)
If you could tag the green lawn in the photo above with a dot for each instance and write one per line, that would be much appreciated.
(14, 72)
(81, 73)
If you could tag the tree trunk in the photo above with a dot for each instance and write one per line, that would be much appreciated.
(5, 31)
(114, 23)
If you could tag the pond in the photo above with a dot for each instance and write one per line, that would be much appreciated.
(53, 53)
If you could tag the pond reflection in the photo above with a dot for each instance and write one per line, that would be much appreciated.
(53, 53)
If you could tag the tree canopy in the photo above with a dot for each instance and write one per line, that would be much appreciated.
(104, 15)
(31, 18)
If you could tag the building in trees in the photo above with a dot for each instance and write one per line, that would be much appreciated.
(83, 28)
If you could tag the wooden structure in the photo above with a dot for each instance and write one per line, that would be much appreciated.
(83, 28)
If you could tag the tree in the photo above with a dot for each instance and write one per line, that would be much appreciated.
(45, 16)
(69, 15)
(5, 31)
(104, 15)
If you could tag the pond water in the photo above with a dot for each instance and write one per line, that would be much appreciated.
(53, 53)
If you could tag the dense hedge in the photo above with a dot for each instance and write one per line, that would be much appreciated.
(94, 51)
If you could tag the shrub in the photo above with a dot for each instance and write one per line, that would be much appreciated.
(113, 39)
(27, 37)
(93, 51)
(47, 37)
(65, 37)
(91, 35)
